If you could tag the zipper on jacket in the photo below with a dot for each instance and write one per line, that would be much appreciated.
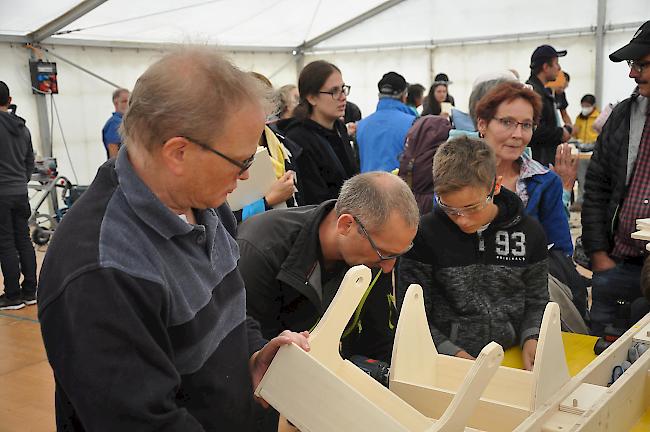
(310, 272)
(612, 224)
(481, 242)
(481, 254)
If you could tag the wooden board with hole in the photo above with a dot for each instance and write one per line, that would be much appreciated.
(318, 391)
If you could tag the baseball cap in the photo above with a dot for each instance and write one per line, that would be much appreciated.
(441, 78)
(392, 83)
(544, 53)
(638, 47)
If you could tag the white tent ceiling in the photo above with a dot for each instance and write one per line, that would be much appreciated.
(251, 23)
(287, 24)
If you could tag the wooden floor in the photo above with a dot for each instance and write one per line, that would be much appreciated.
(26, 382)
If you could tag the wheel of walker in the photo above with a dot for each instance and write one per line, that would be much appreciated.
(40, 236)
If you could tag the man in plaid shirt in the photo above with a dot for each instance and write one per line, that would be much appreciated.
(617, 192)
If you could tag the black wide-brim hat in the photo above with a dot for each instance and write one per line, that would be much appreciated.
(638, 47)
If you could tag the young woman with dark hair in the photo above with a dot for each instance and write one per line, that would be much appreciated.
(327, 158)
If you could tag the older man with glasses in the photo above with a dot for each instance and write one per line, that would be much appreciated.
(141, 305)
(617, 193)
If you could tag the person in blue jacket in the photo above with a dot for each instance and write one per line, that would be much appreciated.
(381, 135)
(110, 132)
(506, 118)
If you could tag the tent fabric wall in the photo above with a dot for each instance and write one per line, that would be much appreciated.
(464, 63)
(84, 102)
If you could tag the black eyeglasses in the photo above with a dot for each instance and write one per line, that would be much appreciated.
(243, 166)
(638, 65)
(336, 91)
(469, 210)
(511, 124)
(381, 256)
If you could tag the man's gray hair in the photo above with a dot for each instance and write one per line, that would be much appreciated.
(373, 196)
(190, 92)
(398, 96)
(118, 92)
(480, 90)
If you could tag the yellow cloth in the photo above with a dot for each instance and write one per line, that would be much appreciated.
(585, 132)
(578, 350)
(277, 151)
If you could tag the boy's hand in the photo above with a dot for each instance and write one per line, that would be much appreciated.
(528, 353)
(464, 354)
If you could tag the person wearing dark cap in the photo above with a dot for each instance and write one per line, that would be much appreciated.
(16, 250)
(617, 191)
(443, 78)
(544, 67)
(438, 93)
(381, 135)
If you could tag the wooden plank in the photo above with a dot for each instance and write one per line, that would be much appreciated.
(624, 402)
(490, 416)
(315, 399)
(582, 399)
(466, 399)
(643, 224)
(452, 370)
(319, 391)
(641, 235)
(549, 418)
(414, 357)
(550, 371)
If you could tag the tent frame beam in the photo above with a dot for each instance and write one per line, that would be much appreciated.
(63, 20)
(479, 40)
(347, 25)
(600, 48)
(90, 43)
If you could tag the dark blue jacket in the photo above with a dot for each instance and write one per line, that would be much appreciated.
(545, 204)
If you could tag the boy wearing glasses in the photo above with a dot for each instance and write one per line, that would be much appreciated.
(481, 261)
